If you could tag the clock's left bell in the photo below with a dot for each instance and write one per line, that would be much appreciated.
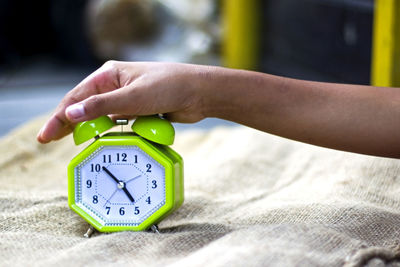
(89, 129)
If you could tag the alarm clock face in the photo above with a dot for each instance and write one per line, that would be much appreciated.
(119, 185)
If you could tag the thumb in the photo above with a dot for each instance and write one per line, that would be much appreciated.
(97, 105)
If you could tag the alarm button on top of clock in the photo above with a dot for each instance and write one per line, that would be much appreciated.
(86, 130)
(155, 129)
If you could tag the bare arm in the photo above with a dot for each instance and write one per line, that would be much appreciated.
(361, 119)
(355, 118)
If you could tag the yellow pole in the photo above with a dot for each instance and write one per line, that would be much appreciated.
(241, 23)
(385, 67)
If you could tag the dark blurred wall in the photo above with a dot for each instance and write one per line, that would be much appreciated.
(326, 40)
(51, 28)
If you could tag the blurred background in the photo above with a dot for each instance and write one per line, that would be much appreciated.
(48, 46)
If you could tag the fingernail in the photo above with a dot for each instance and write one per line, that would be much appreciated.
(39, 134)
(75, 111)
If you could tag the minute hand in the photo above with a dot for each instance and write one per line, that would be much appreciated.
(120, 183)
(128, 194)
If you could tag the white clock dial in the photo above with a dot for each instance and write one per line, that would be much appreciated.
(120, 185)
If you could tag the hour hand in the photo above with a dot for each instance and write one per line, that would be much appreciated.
(120, 184)
(111, 175)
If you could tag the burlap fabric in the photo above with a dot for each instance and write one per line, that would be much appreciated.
(252, 199)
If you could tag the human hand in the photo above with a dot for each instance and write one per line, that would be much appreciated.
(331, 115)
(129, 89)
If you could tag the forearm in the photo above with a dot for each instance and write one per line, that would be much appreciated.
(354, 118)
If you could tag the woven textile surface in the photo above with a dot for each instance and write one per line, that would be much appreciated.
(251, 199)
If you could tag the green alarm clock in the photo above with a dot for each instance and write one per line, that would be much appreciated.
(125, 181)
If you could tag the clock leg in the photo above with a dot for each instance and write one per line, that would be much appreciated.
(154, 228)
(89, 232)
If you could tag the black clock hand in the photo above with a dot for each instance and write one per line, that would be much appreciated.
(128, 194)
(121, 184)
(110, 174)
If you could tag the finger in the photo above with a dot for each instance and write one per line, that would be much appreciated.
(115, 102)
(104, 79)
(54, 129)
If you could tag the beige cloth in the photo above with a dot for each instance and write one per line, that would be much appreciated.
(252, 199)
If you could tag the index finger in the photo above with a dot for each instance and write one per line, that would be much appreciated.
(105, 79)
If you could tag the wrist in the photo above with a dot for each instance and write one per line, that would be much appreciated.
(213, 91)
